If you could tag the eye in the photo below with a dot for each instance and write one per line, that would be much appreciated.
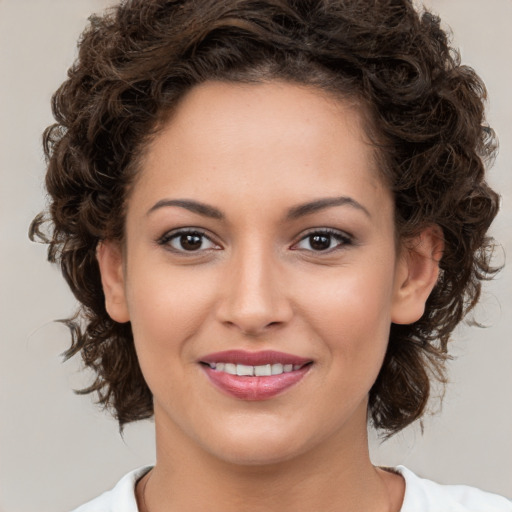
(187, 241)
(324, 240)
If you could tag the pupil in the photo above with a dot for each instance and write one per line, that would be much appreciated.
(320, 242)
(190, 242)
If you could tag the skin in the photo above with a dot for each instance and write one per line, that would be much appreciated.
(255, 282)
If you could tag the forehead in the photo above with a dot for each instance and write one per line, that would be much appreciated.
(270, 140)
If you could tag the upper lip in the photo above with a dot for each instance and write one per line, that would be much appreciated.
(254, 358)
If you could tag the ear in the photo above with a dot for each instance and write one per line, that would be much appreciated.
(110, 260)
(416, 275)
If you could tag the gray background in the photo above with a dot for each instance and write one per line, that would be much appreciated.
(56, 449)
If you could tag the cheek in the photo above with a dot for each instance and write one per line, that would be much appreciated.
(351, 313)
(167, 306)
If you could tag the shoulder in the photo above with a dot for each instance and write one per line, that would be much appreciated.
(423, 495)
(119, 499)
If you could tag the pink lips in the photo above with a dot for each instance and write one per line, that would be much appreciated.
(254, 387)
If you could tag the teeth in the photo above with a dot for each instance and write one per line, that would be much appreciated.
(277, 369)
(242, 369)
(230, 368)
(263, 370)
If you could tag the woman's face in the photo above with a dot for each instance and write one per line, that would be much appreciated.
(259, 239)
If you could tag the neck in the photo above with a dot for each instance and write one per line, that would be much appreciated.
(335, 476)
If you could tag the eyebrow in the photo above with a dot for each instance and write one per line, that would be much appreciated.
(320, 204)
(193, 206)
(294, 213)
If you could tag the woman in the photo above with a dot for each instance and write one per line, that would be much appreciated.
(273, 214)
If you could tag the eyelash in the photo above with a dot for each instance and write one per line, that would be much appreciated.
(166, 240)
(343, 240)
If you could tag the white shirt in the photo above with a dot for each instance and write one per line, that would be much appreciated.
(421, 495)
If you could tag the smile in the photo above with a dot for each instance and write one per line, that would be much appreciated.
(254, 375)
(264, 370)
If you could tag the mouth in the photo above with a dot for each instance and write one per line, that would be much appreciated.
(263, 370)
(254, 375)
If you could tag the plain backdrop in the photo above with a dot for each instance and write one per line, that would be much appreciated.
(57, 449)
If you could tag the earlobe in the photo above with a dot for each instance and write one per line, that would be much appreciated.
(416, 275)
(110, 261)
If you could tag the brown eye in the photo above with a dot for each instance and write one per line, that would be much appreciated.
(191, 242)
(320, 242)
(323, 241)
(187, 241)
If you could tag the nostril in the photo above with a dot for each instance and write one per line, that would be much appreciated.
(253, 309)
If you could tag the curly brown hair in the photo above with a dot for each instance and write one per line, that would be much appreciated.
(425, 115)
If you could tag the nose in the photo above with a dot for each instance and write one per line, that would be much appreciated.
(254, 298)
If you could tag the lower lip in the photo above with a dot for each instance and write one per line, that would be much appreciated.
(255, 388)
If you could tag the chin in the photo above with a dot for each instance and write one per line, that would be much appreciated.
(256, 456)
(257, 447)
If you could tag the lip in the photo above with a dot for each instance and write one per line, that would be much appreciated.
(254, 388)
(254, 358)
